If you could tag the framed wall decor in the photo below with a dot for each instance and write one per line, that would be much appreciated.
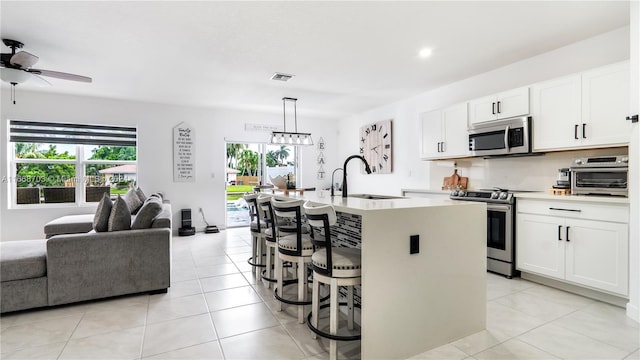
(376, 146)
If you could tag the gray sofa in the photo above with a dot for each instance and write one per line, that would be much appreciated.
(68, 268)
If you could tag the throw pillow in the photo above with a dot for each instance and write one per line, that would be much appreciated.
(101, 218)
(141, 195)
(120, 217)
(132, 200)
(151, 208)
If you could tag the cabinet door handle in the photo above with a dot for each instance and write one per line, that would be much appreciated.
(439, 146)
(493, 108)
(498, 107)
(559, 232)
(561, 209)
(575, 132)
(584, 126)
(442, 146)
(567, 233)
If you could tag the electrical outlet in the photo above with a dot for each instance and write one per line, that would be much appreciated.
(414, 244)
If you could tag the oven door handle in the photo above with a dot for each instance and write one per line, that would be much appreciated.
(506, 137)
(498, 207)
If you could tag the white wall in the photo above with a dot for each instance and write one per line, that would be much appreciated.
(155, 151)
(633, 307)
(410, 172)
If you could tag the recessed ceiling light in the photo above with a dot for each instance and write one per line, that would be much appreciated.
(425, 53)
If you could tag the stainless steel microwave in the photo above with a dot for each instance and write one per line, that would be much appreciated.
(501, 137)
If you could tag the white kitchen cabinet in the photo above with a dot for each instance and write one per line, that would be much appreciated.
(605, 105)
(584, 110)
(537, 248)
(581, 243)
(499, 106)
(556, 109)
(444, 133)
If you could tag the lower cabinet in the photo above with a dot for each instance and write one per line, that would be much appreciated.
(580, 246)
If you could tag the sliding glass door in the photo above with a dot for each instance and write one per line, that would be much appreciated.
(252, 166)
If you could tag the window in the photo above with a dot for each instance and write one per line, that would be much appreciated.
(70, 163)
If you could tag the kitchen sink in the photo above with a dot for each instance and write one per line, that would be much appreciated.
(375, 197)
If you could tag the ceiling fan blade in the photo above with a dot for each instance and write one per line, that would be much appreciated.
(37, 80)
(60, 75)
(23, 59)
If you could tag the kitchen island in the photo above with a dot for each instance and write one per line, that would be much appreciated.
(412, 303)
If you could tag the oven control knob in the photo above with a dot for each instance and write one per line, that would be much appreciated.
(494, 195)
(462, 193)
(579, 162)
(454, 193)
(624, 160)
(503, 195)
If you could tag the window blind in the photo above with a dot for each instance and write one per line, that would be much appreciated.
(61, 133)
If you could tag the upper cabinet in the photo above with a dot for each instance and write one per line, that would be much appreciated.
(605, 105)
(556, 109)
(499, 106)
(444, 133)
(582, 111)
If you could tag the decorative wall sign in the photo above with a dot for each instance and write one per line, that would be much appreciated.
(184, 163)
(321, 160)
(376, 146)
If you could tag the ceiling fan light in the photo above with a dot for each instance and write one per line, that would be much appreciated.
(14, 76)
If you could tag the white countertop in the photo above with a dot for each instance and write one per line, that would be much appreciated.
(580, 198)
(360, 206)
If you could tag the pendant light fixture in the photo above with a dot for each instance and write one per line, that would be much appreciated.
(290, 138)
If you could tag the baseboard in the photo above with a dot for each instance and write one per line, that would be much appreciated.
(579, 290)
(632, 312)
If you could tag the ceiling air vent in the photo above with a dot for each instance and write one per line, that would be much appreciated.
(281, 77)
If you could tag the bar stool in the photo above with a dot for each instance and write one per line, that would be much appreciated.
(270, 236)
(334, 266)
(257, 227)
(295, 248)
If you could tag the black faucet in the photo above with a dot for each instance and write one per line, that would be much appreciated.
(344, 172)
(332, 183)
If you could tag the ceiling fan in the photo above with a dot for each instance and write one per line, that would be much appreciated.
(16, 68)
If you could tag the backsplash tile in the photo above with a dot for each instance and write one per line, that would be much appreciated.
(537, 173)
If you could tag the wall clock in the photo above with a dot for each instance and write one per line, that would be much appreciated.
(376, 146)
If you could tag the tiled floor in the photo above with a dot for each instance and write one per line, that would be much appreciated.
(215, 310)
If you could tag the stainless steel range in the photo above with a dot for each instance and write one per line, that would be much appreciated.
(500, 227)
